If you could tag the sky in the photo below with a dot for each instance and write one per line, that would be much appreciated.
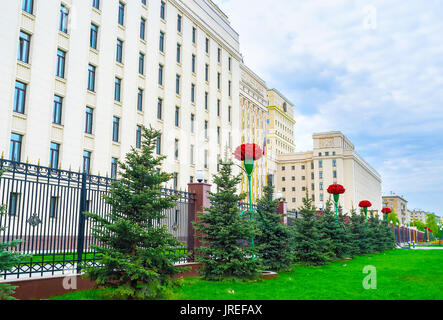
(370, 69)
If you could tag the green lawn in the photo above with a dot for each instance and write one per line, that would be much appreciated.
(401, 275)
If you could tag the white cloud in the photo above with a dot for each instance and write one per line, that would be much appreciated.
(382, 87)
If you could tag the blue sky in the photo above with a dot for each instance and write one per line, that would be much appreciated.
(371, 69)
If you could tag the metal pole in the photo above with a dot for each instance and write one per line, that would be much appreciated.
(81, 223)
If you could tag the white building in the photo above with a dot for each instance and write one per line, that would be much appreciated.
(171, 64)
(333, 160)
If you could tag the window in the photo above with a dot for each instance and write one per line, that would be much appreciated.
(28, 6)
(162, 10)
(218, 135)
(322, 196)
(206, 159)
(142, 28)
(178, 58)
(206, 129)
(177, 84)
(312, 175)
(162, 41)
(15, 148)
(283, 168)
(193, 63)
(53, 202)
(206, 100)
(192, 93)
(117, 89)
(206, 72)
(91, 78)
(207, 45)
(303, 178)
(114, 166)
(175, 183)
(138, 137)
(334, 163)
(229, 87)
(192, 123)
(115, 129)
(321, 185)
(86, 161)
(320, 174)
(57, 110)
(177, 117)
(159, 108)
(176, 149)
(294, 200)
(23, 47)
(218, 107)
(334, 174)
(320, 163)
(159, 145)
(121, 13)
(89, 120)
(93, 36)
(61, 59)
(119, 54)
(326, 154)
(140, 100)
(292, 168)
(179, 23)
(96, 4)
(194, 34)
(283, 179)
(218, 55)
(191, 152)
(303, 167)
(54, 154)
(218, 80)
(160, 74)
(63, 25)
(144, 2)
(19, 97)
(312, 165)
(141, 63)
(229, 63)
(229, 113)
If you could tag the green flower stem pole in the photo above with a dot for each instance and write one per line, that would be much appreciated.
(249, 166)
(336, 198)
(365, 210)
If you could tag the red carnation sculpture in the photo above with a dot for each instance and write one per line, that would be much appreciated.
(249, 151)
(365, 204)
(386, 210)
(336, 189)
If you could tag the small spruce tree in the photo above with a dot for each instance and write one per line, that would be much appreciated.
(360, 234)
(275, 240)
(138, 256)
(311, 247)
(335, 231)
(224, 232)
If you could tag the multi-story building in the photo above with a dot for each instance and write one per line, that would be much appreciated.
(253, 122)
(333, 160)
(418, 215)
(280, 136)
(80, 78)
(399, 205)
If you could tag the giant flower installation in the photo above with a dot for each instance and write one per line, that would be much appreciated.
(249, 153)
(336, 190)
(386, 211)
(365, 204)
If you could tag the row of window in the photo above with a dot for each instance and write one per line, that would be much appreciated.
(303, 167)
(334, 175)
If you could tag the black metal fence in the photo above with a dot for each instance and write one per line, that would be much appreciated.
(44, 209)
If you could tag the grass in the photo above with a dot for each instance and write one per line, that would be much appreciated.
(401, 275)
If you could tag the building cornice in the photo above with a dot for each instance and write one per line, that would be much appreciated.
(282, 113)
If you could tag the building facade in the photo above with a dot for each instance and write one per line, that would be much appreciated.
(280, 124)
(80, 78)
(399, 205)
(254, 116)
(333, 160)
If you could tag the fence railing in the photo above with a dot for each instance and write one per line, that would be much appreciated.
(44, 209)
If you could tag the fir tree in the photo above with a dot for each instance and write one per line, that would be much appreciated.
(137, 254)
(275, 240)
(8, 258)
(361, 241)
(311, 246)
(335, 231)
(224, 232)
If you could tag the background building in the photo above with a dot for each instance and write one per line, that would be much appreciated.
(333, 160)
(253, 121)
(280, 124)
(399, 205)
(79, 78)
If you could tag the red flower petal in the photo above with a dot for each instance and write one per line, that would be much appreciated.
(336, 189)
(365, 204)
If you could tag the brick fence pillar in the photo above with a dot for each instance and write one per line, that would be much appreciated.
(283, 210)
(201, 201)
